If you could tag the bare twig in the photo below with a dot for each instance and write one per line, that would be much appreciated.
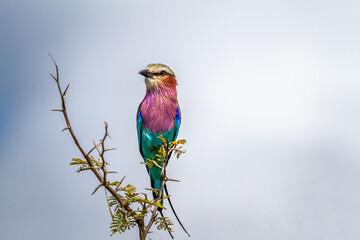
(66, 89)
(90, 151)
(65, 129)
(84, 169)
(109, 149)
(101, 179)
(118, 186)
(100, 185)
(172, 180)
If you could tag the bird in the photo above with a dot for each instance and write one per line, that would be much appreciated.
(158, 115)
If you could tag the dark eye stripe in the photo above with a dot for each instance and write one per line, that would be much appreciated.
(160, 73)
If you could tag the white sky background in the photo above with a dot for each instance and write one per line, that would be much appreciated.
(269, 93)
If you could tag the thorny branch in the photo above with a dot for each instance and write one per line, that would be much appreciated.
(85, 155)
(99, 169)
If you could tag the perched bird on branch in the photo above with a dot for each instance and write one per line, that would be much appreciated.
(158, 114)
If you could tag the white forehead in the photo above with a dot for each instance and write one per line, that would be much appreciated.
(158, 68)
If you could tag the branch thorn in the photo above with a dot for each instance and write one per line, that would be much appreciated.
(65, 128)
(101, 184)
(66, 89)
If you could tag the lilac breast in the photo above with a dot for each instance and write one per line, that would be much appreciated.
(158, 112)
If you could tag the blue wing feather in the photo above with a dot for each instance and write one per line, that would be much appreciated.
(177, 122)
(139, 130)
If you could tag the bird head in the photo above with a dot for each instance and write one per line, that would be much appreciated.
(158, 75)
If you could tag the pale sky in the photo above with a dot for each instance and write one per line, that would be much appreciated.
(270, 99)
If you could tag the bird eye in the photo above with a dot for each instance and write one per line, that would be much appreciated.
(163, 73)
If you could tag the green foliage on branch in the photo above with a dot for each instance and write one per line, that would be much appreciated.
(141, 205)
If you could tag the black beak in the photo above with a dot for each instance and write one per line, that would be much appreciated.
(146, 73)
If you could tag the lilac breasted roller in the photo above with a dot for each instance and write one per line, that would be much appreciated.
(158, 114)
